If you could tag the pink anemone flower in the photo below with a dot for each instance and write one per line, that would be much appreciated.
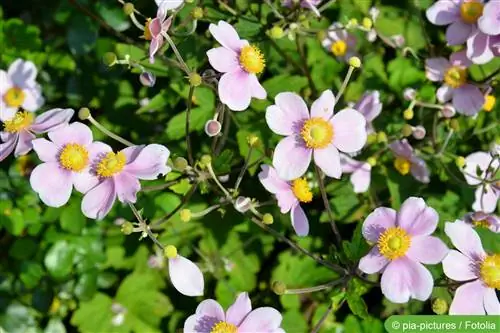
(119, 174)
(403, 244)
(484, 44)
(407, 161)
(482, 219)
(472, 265)
(240, 62)
(167, 5)
(66, 163)
(289, 196)
(21, 130)
(370, 106)
(340, 42)
(239, 318)
(154, 31)
(360, 173)
(465, 97)
(479, 170)
(320, 134)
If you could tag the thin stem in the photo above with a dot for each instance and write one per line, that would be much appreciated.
(184, 200)
(176, 52)
(429, 105)
(162, 186)
(188, 121)
(321, 184)
(244, 169)
(300, 48)
(323, 319)
(346, 81)
(225, 133)
(275, 11)
(448, 137)
(216, 180)
(326, 5)
(109, 133)
(328, 285)
(285, 56)
(144, 226)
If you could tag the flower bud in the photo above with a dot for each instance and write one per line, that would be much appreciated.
(242, 204)
(381, 137)
(489, 103)
(408, 114)
(407, 130)
(371, 138)
(398, 40)
(276, 32)
(439, 306)
(374, 12)
(84, 114)
(185, 215)
(279, 287)
(180, 163)
(109, 59)
(419, 132)
(253, 140)
(372, 161)
(195, 79)
(128, 8)
(206, 159)
(127, 228)
(197, 13)
(147, 79)
(454, 124)
(352, 23)
(367, 23)
(267, 219)
(448, 111)
(212, 128)
(355, 62)
(409, 94)
(223, 178)
(170, 251)
(460, 162)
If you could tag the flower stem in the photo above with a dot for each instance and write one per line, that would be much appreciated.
(109, 133)
(176, 52)
(328, 285)
(321, 184)
(346, 81)
(188, 121)
(243, 169)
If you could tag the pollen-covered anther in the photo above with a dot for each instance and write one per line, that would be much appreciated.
(490, 271)
(455, 76)
(394, 243)
(74, 157)
(317, 133)
(471, 11)
(111, 164)
(402, 165)
(14, 97)
(252, 60)
(224, 327)
(339, 48)
(20, 121)
(301, 190)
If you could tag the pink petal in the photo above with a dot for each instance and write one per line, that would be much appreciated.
(328, 160)
(443, 12)
(24, 143)
(486, 198)
(33, 99)
(7, 147)
(286, 200)
(491, 303)
(435, 68)
(239, 310)
(223, 60)
(478, 48)
(271, 181)
(52, 184)
(166, 5)
(47, 151)
(97, 202)
(419, 170)
(465, 239)
(369, 105)
(190, 325)
(469, 299)
(6, 113)
(377, 222)
(288, 115)
(349, 164)
(323, 106)
(459, 267)
(299, 220)
(149, 163)
(186, 277)
(51, 120)
(417, 218)
(460, 58)
(127, 187)
(458, 32)
(98, 149)
(291, 159)
(22, 73)
(373, 262)
(84, 181)
(74, 133)
(402, 148)
(154, 46)
(256, 89)
(225, 34)
(235, 91)
(210, 308)
(264, 319)
(474, 161)
(444, 93)
(489, 21)
(468, 99)
(427, 250)
(349, 130)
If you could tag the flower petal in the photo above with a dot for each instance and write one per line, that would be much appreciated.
(235, 90)
(468, 99)
(24, 143)
(373, 262)
(473, 162)
(323, 106)
(73, 133)
(7, 147)
(256, 89)
(402, 148)
(349, 130)
(51, 120)
(46, 150)
(491, 303)
(271, 181)
(127, 187)
(459, 267)
(239, 310)
(84, 181)
(443, 12)
(427, 250)
(328, 160)
(489, 22)
(435, 68)
(417, 218)
(52, 184)
(377, 222)
(361, 178)
(291, 159)
(186, 277)
(265, 319)
(286, 200)
(97, 202)
(419, 170)
(458, 32)
(478, 48)
(22, 73)
(459, 58)
(227, 36)
(210, 308)
(223, 60)
(486, 198)
(33, 99)
(299, 220)
(149, 163)
(288, 114)
(444, 93)
(166, 5)
(369, 105)
(465, 239)
(469, 299)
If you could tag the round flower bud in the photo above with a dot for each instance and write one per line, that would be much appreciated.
(253, 140)
(372, 161)
(109, 59)
(381, 137)
(197, 13)
(206, 159)
(212, 128)
(180, 163)
(195, 79)
(454, 125)
(371, 138)
(185, 215)
(409, 94)
(84, 114)
(276, 32)
(460, 162)
(355, 62)
(399, 40)
(419, 132)
(147, 79)
(489, 103)
(279, 287)
(128, 8)
(127, 228)
(242, 204)
(367, 23)
(223, 178)
(448, 111)
(267, 219)
(407, 130)
(170, 251)
(352, 23)
(408, 114)
(439, 306)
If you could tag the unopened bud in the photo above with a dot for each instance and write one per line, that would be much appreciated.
(195, 79)
(180, 163)
(253, 140)
(372, 161)
(352, 23)
(440, 306)
(409, 94)
(408, 114)
(381, 137)
(127, 228)
(267, 219)
(419, 132)
(355, 62)
(448, 111)
(489, 103)
(407, 130)
(212, 128)
(128, 8)
(276, 32)
(454, 124)
(84, 114)
(242, 204)
(147, 79)
(185, 215)
(109, 59)
(206, 159)
(460, 162)
(367, 23)
(279, 287)
(197, 13)
(170, 251)
(371, 138)
(398, 40)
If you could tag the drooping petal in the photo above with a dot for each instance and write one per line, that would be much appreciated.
(444, 93)
(417, 218)
(328, 160)
(271, 181)
(435, 68)
(427, 250)
(51, 120)
(479, 49)
(443, 12)
(227, 36)
(419, 170)
(458, 32)
(186, 277)
(465, 239)
(459, 267)
(323, 106)
(373, 262)
(24, 143)
(287, 115)
(7, 147)
(73, 133)
(369, 105)
(291, 159)
(84, 181)
(127, 186)
(265, 319)
(299, 220)
(223, 60)
(190, 325)
(377, 222)
(97, 202)
(468, 99)
(52, 184)
(349, 130)
(402, 148)
(469, 299)
(256, 89)
(239, 310)
(489, 22)
(46, 150)
(234, 90)
(22, 73)
(491, 303)
(149, 163)
(478, 160)
(486, 198)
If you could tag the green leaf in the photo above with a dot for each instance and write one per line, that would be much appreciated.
(86, 286)
(59, 259)
(113, 15)
(31, 273)
(403, 73)
(222, 163)
(292, 83)
(72, 219)
(82, 35)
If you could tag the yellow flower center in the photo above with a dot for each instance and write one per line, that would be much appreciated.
(481, 223)
(147, 33)
(21, 120)
(224, 327)
(14, 97)
(471, 11)
(402, 165)
(489, 103)
(301, 190)
(317, 133)
(252, 59)
(74, 157)
(111, 164)
(455, 76)
(490, 271)
(339, 48)
(394, 243)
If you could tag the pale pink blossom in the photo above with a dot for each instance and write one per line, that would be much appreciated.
(156, 28)
(360, 173)
(479, 170)
(408, 162)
